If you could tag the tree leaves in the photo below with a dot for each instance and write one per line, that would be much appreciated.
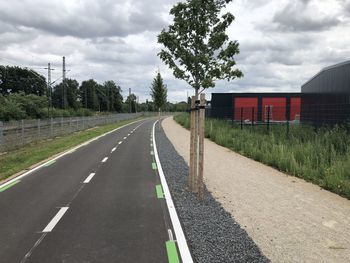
(196, 46)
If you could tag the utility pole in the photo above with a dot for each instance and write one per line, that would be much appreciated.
(129, 100)
(49, 88)
(64, 90)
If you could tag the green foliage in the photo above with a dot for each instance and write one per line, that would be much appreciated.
(16, 79)
(159, 92)
(88, 94)
(130, 103)
(113, 97)
(197, 47)
(321, 157)
(20, 106)
(65, 94)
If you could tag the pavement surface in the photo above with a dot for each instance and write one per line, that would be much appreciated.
(102, 202)
(289, 219)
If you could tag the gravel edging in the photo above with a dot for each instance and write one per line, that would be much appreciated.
(211, 232)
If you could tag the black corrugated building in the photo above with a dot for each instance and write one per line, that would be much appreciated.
(326, 96)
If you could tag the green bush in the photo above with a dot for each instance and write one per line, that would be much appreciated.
(320, 156)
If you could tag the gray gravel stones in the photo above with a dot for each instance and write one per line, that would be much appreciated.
(212, 234)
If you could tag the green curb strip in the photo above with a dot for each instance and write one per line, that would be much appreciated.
(8, 186)
(172, 252)
(159, 191)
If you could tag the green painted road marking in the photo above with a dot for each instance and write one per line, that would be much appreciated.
(49, 163)
(154, 166)
(172, 252)
(8, 186)
(159, 191)
(152, 153)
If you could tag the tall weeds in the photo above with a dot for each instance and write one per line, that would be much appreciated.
(320, 156)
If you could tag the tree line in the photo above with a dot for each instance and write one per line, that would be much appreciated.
(24, 93)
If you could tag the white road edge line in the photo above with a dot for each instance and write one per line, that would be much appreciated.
(179, 234)
(63, 154)
(55, 220)
(88, 179)
(105, 159)
(113, 149)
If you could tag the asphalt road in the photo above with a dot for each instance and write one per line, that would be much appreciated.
(97, 204)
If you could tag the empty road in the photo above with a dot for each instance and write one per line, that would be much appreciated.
(102, 202)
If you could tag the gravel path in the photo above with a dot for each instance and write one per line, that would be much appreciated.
(212, 233)
(289, 219)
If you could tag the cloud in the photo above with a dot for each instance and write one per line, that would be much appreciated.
(84, 19)
(283, 43)
(300, 16)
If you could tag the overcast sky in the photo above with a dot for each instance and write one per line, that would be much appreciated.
(283, 42)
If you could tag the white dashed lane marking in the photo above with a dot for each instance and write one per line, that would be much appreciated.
(55, 220)
(88, 179)
(105, 159)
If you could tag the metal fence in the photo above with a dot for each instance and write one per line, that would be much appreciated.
(14, 134)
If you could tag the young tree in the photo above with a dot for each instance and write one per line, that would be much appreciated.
(159, 92)
(197, 47)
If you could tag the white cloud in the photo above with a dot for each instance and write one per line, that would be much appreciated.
(283, 43)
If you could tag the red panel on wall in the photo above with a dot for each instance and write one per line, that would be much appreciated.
(247, 104)
(295, 109)
(277, 110)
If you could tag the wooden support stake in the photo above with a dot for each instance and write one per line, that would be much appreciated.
(201, 147)
(196, 152)
(192, 138)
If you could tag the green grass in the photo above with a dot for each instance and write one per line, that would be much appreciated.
(321, 157)
(20, 159)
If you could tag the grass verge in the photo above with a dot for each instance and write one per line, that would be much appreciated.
(321, 157)
(17, 160)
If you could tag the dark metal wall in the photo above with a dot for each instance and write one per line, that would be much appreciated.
(326, 97)
(334, 79)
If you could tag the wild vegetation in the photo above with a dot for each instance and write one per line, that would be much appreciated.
(320, 156)
(24, 94)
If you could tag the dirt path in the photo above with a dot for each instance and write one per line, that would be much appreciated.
(289, 219)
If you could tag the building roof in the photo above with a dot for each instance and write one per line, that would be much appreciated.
(347, 62)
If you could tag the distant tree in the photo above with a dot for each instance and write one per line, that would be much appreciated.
(197, 47)
(88, 94)
(65, 94)
(16, 79)
(131, 103)
(114, 96)
(159, 92)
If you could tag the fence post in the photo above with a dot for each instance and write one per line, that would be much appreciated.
(192, 137)
(61, 124)
(70, 124)
(2, 135)
(253, 116)
(201, 147)
(51, 127)
(22, 131)
(268, 118)
(241, 118)
(38, 129)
